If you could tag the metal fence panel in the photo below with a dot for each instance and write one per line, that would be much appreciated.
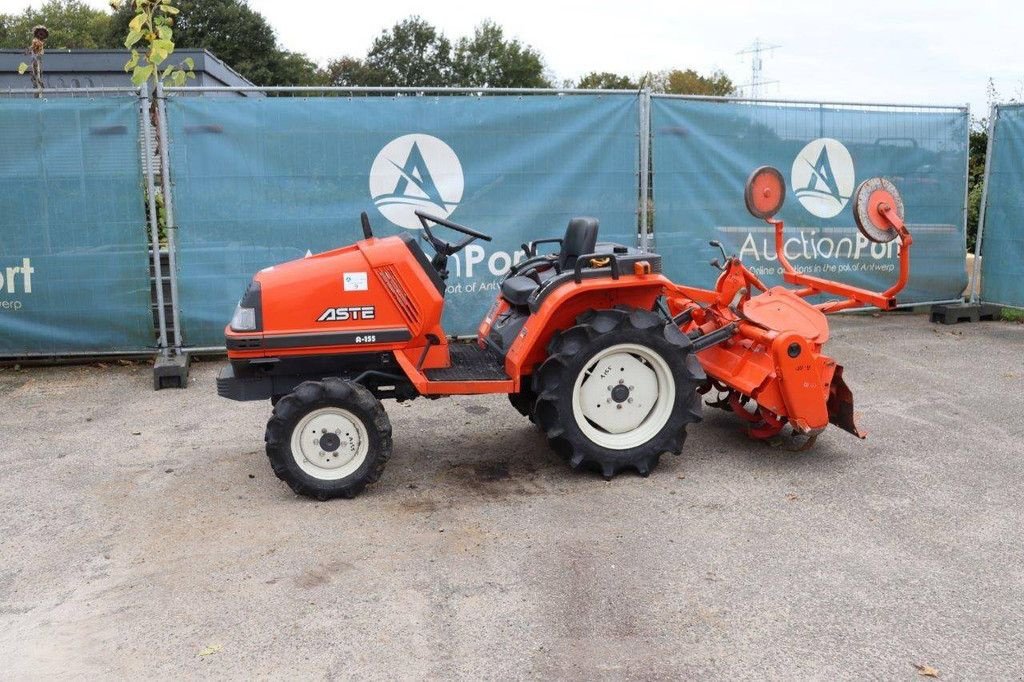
(260, 181)
(73, 248)
(1002, 231)
(705, 150)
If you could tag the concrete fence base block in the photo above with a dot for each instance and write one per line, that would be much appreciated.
(171, 372)
(953, 313)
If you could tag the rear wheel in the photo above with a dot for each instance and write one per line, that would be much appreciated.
(617, 391)
(524, 401)
(328, 439)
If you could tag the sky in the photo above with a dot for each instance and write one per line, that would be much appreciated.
(902, 51)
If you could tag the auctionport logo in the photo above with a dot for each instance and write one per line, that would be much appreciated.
(16, 279)
(823, 177)
(416, 172)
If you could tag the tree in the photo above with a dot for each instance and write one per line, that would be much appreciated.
(348, 72)
(674, 82)
(295, 68)
(489, 60)
(973, 214)
(411, 53)
(689, 82)
(605, 80)
(71, 23)
(977, 149)
(8, 31)
(237, 34)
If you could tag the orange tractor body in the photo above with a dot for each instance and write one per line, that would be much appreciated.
(592, 342)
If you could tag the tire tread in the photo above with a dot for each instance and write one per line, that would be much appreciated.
(311, 395)
(552, 382)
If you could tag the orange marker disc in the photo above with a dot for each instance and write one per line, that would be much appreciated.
(765, 192)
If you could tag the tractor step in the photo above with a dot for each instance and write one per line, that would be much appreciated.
(471, 363)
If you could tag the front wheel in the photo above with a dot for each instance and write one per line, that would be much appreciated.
(618, 390)
(328, 439)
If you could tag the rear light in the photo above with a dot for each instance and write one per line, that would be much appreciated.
(248, 315)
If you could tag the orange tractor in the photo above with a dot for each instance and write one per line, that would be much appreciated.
(603, 352)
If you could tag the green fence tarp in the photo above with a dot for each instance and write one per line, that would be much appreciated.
(703, 152)
(1002, 243)
(73, 236)
(263, 180)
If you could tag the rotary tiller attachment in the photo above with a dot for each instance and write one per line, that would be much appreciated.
(840, 405)
(807, 402)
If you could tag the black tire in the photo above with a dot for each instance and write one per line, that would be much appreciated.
(316, 395)
(570, 353)
(524, 401)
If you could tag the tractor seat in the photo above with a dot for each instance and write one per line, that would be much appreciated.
(580, 238)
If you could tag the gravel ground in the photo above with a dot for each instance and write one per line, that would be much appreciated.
(143, 534)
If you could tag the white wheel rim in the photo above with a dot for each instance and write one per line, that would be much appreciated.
(330, 443)
(624, 396)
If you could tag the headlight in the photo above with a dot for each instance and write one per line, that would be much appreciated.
(248, 315)
(244, 319)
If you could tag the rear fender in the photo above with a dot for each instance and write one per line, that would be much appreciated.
(561, 308)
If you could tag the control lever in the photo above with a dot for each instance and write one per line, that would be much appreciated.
(717, 244)
(715, 263)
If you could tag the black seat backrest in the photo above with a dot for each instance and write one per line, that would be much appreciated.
(580, 238)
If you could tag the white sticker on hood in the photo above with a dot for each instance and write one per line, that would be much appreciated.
(356, 281)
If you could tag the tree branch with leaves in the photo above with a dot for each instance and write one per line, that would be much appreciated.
(151, 40)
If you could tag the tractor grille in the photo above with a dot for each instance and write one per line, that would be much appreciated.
(389, 277)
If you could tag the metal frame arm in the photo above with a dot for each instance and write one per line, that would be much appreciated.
(853, 296)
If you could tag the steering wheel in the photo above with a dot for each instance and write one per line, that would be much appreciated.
(446, 248)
